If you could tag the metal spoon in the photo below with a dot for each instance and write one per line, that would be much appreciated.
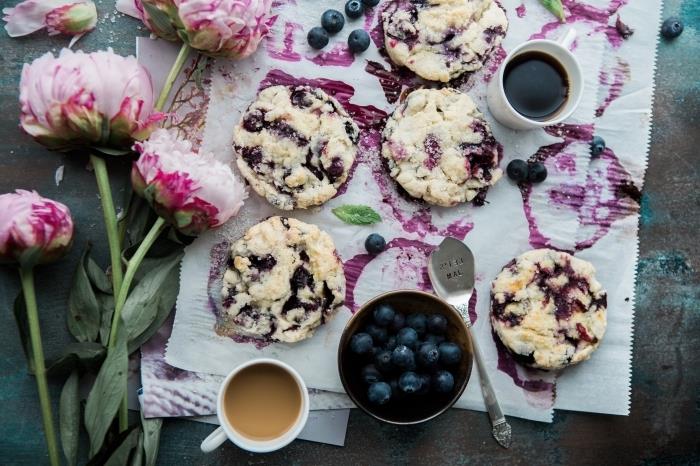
(451, 271)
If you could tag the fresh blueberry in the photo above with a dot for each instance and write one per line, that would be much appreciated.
(437, 324)
(450, 353)
(391, 343)
(358, 40)
(537, 172)
(332, 21)
(417, 321)
(425, 382)
(409, 382)
(443, 382)
(375, 243)
(428, 355)
(371, 374)
(317, 37)
(597, 146)
(672, 28)
(361, 343)
(383, 315)
(407, 336)
(434, 339)
(370, 3)
(383, 361)
(398, 323)
(517, 170)
(354, 9)
(379, 393)
(402, 357)
(378, 334)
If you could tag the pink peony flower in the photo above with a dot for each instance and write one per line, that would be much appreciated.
(94, 99)
(69, 17)
(222, 28)
(194, 192)
(33, 229)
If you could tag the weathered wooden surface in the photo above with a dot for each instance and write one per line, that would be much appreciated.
(664, 425)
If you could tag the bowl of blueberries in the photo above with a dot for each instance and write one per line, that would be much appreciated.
(405, 357)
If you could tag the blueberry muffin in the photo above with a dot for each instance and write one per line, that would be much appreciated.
(439, 148)
(284, 279)
(548, 309)
(442, 39)
(295, 145)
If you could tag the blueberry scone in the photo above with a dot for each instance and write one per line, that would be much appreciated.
(284, 279)
(441, 39)
(295, 145)
(548, 309)
(439, 148)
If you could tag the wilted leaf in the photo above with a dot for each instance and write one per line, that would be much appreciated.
(20, 311)
(83, 308)
(77, 356)
(69, 417)
(151, 438)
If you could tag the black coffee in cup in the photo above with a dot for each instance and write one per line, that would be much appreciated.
(536, 85)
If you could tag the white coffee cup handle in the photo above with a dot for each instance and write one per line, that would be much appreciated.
(568, 38)
(214, 440)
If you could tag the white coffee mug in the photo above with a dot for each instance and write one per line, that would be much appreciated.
(504, 112)
(226, 430)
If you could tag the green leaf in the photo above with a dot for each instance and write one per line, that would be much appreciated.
(159, 18)
(137, 457)
(107, 311)
(77, 356)
(69, 417)
(151, 438)
(20, 311)
(357, 214)
(111, 151)
(198, 73)
(137, 221)
(121, 454)
(556, 8)
(97, 276)
(107, 392)
(83, 308)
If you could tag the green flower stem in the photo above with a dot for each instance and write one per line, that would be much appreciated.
(131, 269)
(172, 76)
(27, 277)
(110, 218)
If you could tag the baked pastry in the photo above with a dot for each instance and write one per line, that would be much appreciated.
(439, 148)
(295, 145)
(548, 309)
(442, 39)
(284, 279)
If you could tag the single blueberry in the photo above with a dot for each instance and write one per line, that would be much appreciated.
(428, 355)
(417, 321)
(370, 3)
(375, 243)
(434, 339)
(398, 323)
(672, 28)
(450, 353)
(379, 393)
(425, 383)
(391, 343)
(354, 9)
(383, 315)
(378, 334)
(402, 357)
(409, 382)
(597, 146)
(407, 336)
(537, 172)
(443, 382)
(371, 374)
(437, 324)
(332, 21)
(317, 37)
(358, 40)
(382, 361)
(517, 170)
(361, 343)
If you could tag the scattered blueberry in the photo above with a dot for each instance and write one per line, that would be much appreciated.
(435, 339)
(537, 172)
(391, 343)
(379, 393)
(402, 357)
(597, 146)
(317, 37)
(378, 334)
(358, 40)
(443, 382)
(428, 355)
(517, 170)
(332, 21)
(361, 343)
(450, 353)
(354, 9)
(398, 323)
(375, 243)
(407, 336)
(370, 3)
(425, 382)
(383, 315)
(418, 321)
(672, 28)
(437, 324)
(409, 382)
(370, 374)
(383, 361)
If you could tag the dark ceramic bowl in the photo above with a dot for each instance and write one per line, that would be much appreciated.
(414, 409)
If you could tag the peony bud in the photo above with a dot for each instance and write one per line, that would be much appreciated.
(194, 192)
(33, 229)
(79, 99)
(70, 17)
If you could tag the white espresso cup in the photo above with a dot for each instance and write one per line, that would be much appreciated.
(227, 430)
(504, 112)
